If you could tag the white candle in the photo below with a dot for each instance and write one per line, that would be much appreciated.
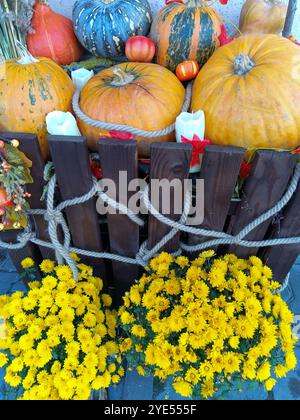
(191, 127)
(80, 77)
(189, 124)
(62, 123)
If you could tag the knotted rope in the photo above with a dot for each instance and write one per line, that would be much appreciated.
(55, 218)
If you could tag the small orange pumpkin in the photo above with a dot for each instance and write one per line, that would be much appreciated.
(187, 70)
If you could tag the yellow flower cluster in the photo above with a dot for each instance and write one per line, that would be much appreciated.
(59, 340)
(206, 323)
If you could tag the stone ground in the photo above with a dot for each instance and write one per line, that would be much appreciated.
(286, 389)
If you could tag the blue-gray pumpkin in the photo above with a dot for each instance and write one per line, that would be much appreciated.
(104, 26)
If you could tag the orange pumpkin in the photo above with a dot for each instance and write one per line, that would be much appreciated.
(29, 90)
(52, 36)
(187, 70)
(263, 16)
(250, 93)
(142, 95)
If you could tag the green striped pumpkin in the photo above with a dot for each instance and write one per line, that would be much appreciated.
(104, 26)
(185, 31)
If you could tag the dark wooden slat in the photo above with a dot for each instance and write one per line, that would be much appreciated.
(168, 161)
(71, 160)
(30, 146)
(121, 156)
(282, 258)
(137, 387)
(268, 181)
(290, 17)
(220, 170)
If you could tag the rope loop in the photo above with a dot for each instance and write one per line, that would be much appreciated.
(55, 219)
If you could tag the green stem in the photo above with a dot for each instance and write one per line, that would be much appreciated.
(243, 64)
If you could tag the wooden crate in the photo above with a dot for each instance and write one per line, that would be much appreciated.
(269, 179)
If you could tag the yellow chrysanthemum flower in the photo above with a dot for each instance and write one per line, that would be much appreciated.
(183, 388)
(173, 286)
(291, 360)
(107, 300)
(27, 263)
(234, 342)
(207, 389)
(141, 370)
(134, 295)
(264, 372)
(231, 362)
(206, 370)
(125, 345)
(74, 257)
(149, 300)
(49, 282)
(47, 266)
(63, 272)
(280, 371)
(138, 331)
(269, 384)
(182, 261)
(3, 359)
(127, 318)
(192, 376)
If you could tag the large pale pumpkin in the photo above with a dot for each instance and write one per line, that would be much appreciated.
(250, 93)
(185, 32)
(142, 95)
(30, 88)
(263, 16)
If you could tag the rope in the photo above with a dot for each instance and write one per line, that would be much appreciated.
(284, 285)
(55, 218)
(127, 128)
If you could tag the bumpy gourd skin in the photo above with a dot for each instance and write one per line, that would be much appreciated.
(250, 93)
(263, 16)
(28, 92)
(185, 32)
(104, 26)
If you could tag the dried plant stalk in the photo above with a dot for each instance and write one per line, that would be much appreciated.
(15, 18)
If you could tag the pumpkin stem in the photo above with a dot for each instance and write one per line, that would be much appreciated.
(121, 78)
(243, 64)
(25, 56)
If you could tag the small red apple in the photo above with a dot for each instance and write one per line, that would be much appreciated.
(140, 49)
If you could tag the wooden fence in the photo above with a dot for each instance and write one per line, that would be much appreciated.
(267, 183)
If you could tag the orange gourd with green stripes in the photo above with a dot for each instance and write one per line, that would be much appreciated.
(185, 32)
